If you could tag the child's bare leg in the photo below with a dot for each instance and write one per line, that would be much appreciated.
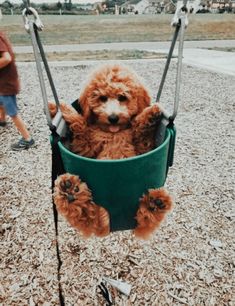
(2, 114)
(21, 127)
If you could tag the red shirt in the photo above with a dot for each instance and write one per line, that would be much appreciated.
(9, 81)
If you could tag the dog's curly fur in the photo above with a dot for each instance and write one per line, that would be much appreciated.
(117, 121)
(73, 200)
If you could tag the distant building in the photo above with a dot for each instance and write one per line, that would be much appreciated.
(168, 6)
(233, 6)
(222, 6)
(147, 6)
(194, 5)
(141, 6)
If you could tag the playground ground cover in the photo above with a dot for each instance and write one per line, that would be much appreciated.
(189, 261)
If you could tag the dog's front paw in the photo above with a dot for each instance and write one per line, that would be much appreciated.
(158, 201)
(52, 109)
(154, 114)
(73, 200)
(150, 116)
(69, 192)
(152, 210)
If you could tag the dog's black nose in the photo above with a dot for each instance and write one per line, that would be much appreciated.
(113, 118)
(70, 198)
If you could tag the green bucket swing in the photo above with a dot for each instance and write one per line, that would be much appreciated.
(116, 185)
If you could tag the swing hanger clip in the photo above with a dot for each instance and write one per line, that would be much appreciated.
(181, 12)
(37, 21)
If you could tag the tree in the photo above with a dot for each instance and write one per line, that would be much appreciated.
(45, 7)
(68, 5)
(7, 5)
(11, 7)
(59, 7)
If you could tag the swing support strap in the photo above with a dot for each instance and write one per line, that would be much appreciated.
(180, 22)
(32, 27)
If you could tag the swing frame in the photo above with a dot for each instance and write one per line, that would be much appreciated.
(61, 163)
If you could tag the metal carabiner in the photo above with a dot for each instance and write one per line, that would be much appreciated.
(37, 21)
(181, 11)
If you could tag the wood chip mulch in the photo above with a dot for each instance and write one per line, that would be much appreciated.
(189, 261)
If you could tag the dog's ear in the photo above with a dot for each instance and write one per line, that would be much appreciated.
(143, 98)
(83, 101)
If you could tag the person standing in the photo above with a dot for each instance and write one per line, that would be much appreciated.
(9, 88)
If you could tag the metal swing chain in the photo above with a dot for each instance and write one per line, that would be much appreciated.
(179, 22)
(32, 27)
(183, 21)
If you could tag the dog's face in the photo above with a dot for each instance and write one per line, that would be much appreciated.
(112, 98)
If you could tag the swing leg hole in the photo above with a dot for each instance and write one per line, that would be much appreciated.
(74, 201)
(152, 210)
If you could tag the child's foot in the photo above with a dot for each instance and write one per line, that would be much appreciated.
(22, 144)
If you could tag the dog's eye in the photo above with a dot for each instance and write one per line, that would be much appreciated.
(103, 98)
(122, 98)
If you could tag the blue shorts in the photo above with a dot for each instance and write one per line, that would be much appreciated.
(9, 103)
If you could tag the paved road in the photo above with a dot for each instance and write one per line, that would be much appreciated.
(222, 62)
(129, 45)
(195, 52)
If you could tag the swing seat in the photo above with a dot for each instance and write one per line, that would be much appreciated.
(118, 184)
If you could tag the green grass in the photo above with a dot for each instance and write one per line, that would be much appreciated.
(111, 28)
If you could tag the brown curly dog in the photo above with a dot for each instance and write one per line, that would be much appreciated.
(117, 121)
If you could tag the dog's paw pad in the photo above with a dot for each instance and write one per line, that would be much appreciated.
(71, 191)
(159, 203)
(69, 186)
(70, 198)
(155, 204)
(159, 200)
(65, 185)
